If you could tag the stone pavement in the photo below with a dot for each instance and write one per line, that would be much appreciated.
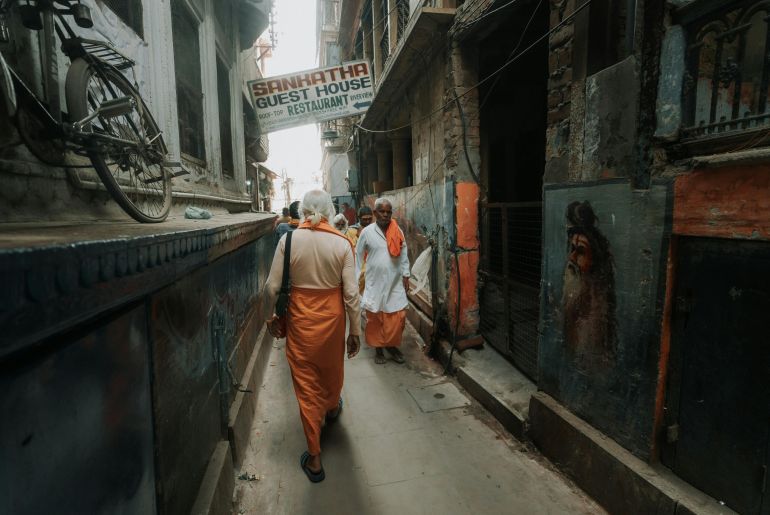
(388, 454)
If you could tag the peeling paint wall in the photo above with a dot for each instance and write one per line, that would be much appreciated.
(121, 413)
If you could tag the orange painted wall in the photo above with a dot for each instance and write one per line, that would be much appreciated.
(467, 212)
(469, 304)
(724, 203)
(467, 220)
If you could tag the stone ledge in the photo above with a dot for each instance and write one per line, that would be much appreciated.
(56, 276)
(244, 406)
(421, 323)
(615, 478)
(215, 496)
(735, 158)
(495, 383)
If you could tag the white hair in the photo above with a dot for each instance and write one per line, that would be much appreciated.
(341, 218)
(316, 206)
(382, 200)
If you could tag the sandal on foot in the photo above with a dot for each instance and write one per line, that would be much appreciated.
(395, 354)
(334, 417)
(314, 477)
(379, 358)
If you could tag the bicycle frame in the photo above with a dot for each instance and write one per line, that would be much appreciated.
(100, 55)
(7, 90)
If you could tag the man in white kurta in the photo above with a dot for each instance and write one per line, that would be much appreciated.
(382, 247)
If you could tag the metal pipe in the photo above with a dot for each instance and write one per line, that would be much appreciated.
(630, 26)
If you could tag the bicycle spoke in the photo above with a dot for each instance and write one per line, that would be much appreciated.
(141, 178)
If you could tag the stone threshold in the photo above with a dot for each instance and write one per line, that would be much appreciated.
(610, 474)
(59, 275)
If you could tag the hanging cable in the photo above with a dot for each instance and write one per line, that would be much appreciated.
(485, 79)
(521, 40)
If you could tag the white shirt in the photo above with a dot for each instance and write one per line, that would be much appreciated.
(384, 285)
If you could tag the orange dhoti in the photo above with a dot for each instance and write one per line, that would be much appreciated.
(385, 329)
(315, 349)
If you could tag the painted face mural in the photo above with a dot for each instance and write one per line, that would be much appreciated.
(588, 298)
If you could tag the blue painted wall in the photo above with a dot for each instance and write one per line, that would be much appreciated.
(120, 414)
(614, 391)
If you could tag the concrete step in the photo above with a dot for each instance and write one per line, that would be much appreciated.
(616, 479)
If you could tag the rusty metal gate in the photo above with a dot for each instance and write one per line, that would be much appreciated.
(510, 273)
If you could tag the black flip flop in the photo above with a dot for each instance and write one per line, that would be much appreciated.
(314, 477)
(395, 355)
(330, 418)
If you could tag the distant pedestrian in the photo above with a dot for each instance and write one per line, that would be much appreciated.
(341, 224)
(284, 218)
(323, 290)
(387, 281)
(365, 218)
(293, 222)
(349, 213)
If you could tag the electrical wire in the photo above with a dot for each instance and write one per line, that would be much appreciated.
(457, 314)
(521, 40)
(456, 100)
(485, 79)
(465, 140)
(474, 21)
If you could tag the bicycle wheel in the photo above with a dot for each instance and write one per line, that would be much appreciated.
(135, 177)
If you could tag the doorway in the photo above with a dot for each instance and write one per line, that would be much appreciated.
(718, 396)
(513, 109)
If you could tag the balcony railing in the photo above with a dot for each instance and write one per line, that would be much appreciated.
(397, 17)
(728, 69)
(402, 7)
(385, 43)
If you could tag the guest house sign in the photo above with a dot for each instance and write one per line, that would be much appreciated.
(312, 96)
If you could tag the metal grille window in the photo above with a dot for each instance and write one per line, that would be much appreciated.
(510, 267)
(402, 6)
(189, 93)
(384, 46)
(728, 67)
(384, 40)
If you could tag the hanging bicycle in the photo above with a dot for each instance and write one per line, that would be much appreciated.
(108, 120)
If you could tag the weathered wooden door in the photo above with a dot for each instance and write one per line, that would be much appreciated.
(718, 401)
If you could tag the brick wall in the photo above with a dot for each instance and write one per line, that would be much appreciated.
(560, 45)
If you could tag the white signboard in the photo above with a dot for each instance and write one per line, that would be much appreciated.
(312, 96)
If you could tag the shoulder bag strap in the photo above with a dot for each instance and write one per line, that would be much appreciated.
(286, 259)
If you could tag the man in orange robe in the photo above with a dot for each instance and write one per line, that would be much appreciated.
(323, 290)
(383, 246)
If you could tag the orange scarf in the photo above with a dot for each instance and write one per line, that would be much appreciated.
(294, 222)
(325, 227)
(395, 238)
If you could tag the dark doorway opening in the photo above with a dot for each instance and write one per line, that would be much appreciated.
(513, 109)
(717, 434)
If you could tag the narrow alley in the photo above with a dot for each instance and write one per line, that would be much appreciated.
(409, 441)
(559, 210)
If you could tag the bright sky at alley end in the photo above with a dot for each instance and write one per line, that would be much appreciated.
(298, 149)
